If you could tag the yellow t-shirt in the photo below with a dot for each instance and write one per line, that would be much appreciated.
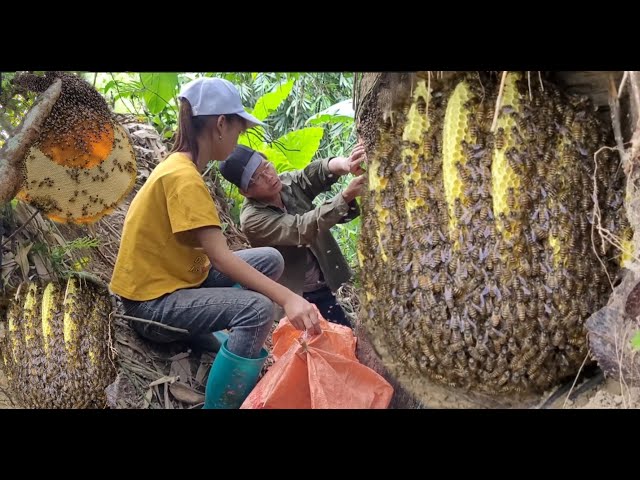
(155, 258)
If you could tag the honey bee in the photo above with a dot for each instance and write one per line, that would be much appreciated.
(500, 139)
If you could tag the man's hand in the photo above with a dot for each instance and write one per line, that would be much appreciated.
(353, 164)
(354, 189)
(356, 159)
(302, 314)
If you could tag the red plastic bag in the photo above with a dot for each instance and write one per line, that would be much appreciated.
(318, 372)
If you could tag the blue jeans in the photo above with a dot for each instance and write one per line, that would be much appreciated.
(214, 306)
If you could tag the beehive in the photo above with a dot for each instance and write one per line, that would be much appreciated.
(478, 267)
(55, 345)
(82, 164)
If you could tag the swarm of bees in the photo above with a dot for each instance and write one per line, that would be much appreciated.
(83, 163)
(478, 267)
(54, 345)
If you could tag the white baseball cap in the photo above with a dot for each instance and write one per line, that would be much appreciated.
(215, 96)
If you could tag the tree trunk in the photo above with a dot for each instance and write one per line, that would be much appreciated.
(16, 147)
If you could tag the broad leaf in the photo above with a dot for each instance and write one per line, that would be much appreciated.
(159, 88)
(299, 146)
(340, 112)
(270, 102)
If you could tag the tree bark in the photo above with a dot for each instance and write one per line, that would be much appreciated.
(14, 150)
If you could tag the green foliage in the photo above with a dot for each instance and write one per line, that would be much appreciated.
(13, 106)
(70, 258)
(159, 91)
(346, 234)
(635, 341)
(296, 148)
(269, 102)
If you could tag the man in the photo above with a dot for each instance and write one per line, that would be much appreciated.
(278, 212)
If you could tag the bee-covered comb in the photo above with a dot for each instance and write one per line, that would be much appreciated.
(82, 164)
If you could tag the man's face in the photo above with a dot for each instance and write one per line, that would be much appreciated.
(264, 183)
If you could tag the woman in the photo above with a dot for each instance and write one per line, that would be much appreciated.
(174, 266)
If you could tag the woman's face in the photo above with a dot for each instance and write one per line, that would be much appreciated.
(229, 129)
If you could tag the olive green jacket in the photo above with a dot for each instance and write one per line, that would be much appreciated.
(303, 225)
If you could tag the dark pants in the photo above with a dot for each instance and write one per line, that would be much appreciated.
(326, 302)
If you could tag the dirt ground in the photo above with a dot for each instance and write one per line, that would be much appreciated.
(607, 395)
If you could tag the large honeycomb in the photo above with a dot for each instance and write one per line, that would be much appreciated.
(54, 344)
(82, 164)
(478, 266)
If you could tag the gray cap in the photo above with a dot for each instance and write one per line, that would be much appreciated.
(215, 96)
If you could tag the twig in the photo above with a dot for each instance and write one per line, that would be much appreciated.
(136, 364)
(165, 379)
(614, 105)
(553, 397)
(19, 228)
(113, 230)
(498, 101)
(157, 393)
(588, 384)
(529, 81)
(623, 83)
(115, 83)
(114, 352)
(146, 373)
(484, 92)
(426, 112)
(634, 79)
(137, 385)
(133, 347)
(576, 379)
(540, 79)
(151, 322)
(635, 88)
(620, 356)
(596, 217)
(167, 401)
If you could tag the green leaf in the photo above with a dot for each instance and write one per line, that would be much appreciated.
(326, 118)
(278, 159)
(270, 102)
(110, 84)
(339, 110)
(299, 146)
(635, 341)
(159, 88)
